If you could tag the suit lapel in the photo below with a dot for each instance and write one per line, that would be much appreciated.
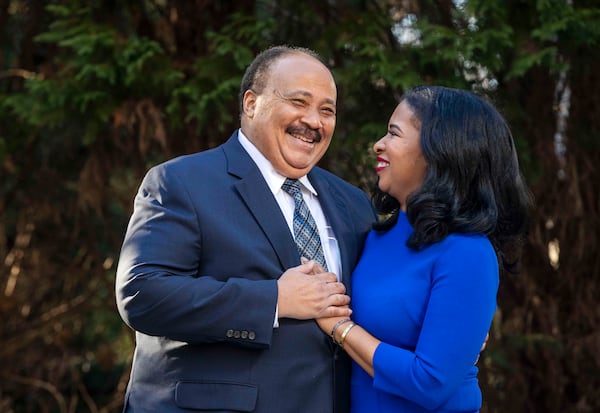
(259, 199)
(333, 206)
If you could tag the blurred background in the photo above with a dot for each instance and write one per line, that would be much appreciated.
(94, 93)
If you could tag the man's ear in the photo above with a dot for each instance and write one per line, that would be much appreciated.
(249, 102)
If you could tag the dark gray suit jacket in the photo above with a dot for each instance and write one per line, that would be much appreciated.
(197, 279)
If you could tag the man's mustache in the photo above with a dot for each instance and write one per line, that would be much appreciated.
(313, 134)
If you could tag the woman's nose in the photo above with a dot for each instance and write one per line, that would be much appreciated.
(378, 146)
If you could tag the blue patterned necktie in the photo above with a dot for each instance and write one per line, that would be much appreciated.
(305, 228)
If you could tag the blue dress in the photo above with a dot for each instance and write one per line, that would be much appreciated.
(431, 309)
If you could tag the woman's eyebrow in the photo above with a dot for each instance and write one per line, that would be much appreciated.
(394, 126)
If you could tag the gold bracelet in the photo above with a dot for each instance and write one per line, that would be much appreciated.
(335, 327)
(344, 334)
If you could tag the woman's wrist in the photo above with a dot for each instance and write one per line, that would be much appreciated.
(345, 334)
(336, 326)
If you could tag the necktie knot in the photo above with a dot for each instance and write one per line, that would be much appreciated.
(292, 187)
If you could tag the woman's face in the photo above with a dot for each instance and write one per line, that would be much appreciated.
(400, 163)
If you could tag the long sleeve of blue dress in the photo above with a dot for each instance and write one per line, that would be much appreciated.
(431, 309)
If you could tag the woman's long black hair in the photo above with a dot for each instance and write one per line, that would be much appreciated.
(473, 183)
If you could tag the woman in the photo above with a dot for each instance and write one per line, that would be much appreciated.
(424, 291)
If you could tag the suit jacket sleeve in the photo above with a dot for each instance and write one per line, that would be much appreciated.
(166, 282)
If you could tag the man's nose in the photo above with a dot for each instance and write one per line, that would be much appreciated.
(312, 118)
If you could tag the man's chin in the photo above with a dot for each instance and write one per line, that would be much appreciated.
(294, 171)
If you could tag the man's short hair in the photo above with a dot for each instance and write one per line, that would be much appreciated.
(255, 77)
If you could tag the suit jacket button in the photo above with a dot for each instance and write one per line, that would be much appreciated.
(236, 334)
(244, 334)
(251, 335)
(229, 333)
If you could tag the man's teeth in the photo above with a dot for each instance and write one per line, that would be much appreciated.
(304, 139)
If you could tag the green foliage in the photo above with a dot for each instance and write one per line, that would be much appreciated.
(99, 68)
(561, 28)
(211, 90)
(523, 63)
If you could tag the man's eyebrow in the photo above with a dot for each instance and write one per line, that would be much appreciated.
(307, 94)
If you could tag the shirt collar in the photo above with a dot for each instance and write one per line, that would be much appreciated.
(273, 178)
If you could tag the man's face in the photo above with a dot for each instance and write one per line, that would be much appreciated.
(292, 121)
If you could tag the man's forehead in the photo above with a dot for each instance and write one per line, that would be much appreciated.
(301, 74)
(295, 63)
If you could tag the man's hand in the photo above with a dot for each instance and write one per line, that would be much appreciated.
(306, 292)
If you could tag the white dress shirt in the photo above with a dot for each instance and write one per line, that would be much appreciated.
(286, 203)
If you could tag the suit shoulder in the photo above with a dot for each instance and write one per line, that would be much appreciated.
(197, 160)
(354, 198)
(338, 182)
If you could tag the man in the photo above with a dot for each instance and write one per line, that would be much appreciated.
(210, 275)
